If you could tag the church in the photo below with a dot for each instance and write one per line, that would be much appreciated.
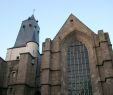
(76, 62)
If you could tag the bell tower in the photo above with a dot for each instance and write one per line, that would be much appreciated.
(24, 60)
(27, 40)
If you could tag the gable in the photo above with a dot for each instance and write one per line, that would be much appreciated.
(72, 24)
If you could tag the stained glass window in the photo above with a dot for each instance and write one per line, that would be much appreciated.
(79, 82)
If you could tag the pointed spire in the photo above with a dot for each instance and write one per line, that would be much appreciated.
(71, 14)
(32, 18)
(33, 11)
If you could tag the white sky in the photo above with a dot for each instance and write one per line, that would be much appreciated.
(51, 14)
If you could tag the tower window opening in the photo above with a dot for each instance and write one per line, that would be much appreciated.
(30, 25)
(17, 57)
(23, 26)
(37, 31)
(35, 26)
(33, 61)
(71, 20)
(13, 74)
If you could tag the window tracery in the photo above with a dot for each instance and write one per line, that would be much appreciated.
(79, 82)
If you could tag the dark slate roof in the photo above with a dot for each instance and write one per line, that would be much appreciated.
(29, 32)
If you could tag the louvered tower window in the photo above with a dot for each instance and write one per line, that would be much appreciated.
(79, 82)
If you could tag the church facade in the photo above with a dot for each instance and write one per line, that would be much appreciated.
(76, 62)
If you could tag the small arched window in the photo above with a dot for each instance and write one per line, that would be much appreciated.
(24, 26)
(30, 25)
(13, 74)
(17, 57)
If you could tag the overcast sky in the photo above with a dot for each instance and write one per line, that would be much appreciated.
(51, 14)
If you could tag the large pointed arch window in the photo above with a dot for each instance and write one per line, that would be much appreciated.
(79, 82)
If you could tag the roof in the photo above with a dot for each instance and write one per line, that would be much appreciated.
(29, 32)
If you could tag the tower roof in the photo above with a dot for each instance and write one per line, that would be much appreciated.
(29, 32)
(32, 18)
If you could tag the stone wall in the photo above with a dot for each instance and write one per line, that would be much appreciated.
(3, 77)
(13, 53)
(105, 62)
(22, 75)
(54, 59)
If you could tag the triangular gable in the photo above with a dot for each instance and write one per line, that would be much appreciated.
(73, 24)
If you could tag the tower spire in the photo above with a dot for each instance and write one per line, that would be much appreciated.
(34, 11)
(27, 40)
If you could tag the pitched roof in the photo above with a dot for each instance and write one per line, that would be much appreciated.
(72, 24)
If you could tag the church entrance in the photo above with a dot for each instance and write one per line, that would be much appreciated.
(37, 93)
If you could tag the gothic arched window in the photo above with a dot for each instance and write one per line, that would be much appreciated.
(79, 82)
